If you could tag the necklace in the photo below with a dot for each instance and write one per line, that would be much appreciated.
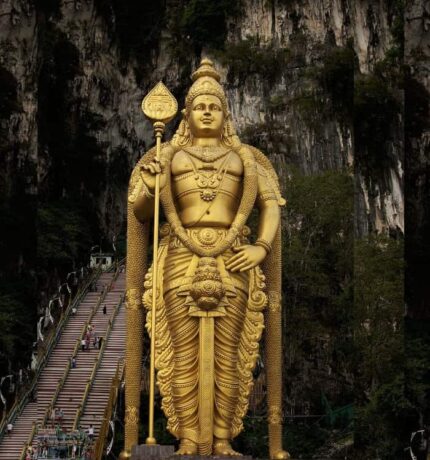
(208, 178)
(207, 154)
(246, 204)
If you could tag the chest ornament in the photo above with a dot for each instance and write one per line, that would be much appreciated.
(209, 177)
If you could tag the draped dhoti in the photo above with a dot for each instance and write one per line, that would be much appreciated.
(205, 357)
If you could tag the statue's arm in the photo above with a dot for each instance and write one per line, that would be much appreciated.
(248, 256)
(142, 182)
(270, 215)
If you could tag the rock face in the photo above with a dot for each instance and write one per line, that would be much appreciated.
(73, 75)
(75, 52)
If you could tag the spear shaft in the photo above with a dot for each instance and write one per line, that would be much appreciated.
(160, 107)
(159, 129)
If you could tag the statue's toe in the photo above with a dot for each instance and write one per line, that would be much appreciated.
(186, 447)
(280, 455)
(223, 448)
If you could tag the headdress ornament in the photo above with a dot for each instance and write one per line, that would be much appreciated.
(206, 81)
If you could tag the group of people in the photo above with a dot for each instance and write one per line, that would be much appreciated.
(56, 417)
(94, 288)
(55, 443)
(90, 337)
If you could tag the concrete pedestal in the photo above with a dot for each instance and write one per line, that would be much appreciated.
(210, 457)
(158, 452)
(152, 452)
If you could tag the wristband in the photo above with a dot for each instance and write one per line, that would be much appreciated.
(264, 244)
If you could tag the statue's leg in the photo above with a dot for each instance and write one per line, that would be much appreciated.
(184, 332)
(228, 330)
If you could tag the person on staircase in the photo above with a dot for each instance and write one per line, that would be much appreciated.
(91, 432)
(60, 416)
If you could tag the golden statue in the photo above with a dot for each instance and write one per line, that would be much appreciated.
(216, 291)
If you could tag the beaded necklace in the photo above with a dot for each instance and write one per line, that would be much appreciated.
(247, 201)
(207, 154)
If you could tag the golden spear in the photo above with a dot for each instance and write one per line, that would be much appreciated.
(160, 106)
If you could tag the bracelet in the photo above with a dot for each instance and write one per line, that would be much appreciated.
(264, 244)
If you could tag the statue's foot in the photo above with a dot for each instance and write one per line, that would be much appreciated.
(187, 447)
(223, 448)
(280, 455)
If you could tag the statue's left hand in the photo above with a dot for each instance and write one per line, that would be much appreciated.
(246, 257)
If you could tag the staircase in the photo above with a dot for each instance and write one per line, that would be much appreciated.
(11, 446)
(99, 394)
(57, 368)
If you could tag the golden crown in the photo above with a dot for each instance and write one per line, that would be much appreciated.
(206, 81)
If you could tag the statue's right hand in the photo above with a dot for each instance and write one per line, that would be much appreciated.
(149, 171)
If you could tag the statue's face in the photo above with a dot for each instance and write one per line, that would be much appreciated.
(206, 117)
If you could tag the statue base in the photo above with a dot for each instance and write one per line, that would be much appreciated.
(208, 457)
(158, 452)
(151, 452)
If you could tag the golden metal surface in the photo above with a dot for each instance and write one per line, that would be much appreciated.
(205, 291)
(159, 106)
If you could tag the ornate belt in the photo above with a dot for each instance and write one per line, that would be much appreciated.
(207, 237)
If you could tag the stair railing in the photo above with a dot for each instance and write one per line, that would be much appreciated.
(18, 406)
(96, 366)
(107, 415)
(29, 442)
(69, 364)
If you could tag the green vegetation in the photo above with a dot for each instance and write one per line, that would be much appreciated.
(382, 403)
(326, 90)
(310, 105)
(63, 234)
(17, 320)
(318, 301)
(336, 77)
(249, 57)
(268, 137)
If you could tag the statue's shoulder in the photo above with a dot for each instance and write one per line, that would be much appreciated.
(266, 169)
(264, 166)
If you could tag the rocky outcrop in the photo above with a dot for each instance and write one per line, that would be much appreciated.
(74, 73)
(276, 103)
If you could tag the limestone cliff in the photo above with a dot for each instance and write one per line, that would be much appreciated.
(65, 62)
(311, 83)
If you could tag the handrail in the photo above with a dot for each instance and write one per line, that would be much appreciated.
(96, 366)
(107, 415)
(28, 443)
(75, 351)
(18, 406)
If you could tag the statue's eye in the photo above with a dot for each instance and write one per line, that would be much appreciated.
(215, 108)
(198, 107)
